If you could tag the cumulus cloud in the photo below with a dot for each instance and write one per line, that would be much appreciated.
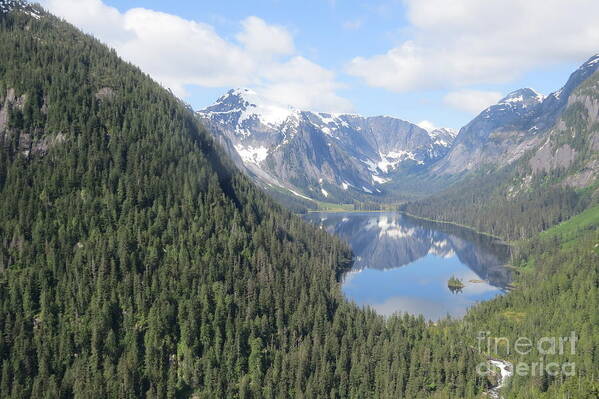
(92, 16)
(456, 43)
(303, 84)
(472, 101)
(178, 52)
(259, 37)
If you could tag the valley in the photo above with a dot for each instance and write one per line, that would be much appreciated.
(373, 161)
(152, 250)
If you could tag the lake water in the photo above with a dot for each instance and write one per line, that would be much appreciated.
(402, 264)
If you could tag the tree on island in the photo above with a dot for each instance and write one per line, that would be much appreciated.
(455, 284)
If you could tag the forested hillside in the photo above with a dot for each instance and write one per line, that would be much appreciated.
(484, 201)
(545, 204)
(551, 183)
(136, 262)
(557, 295)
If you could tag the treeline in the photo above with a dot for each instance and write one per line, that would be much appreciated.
(505, 204)
(136, 262)
(290, 202)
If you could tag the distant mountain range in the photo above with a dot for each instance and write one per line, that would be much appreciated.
(340, 157)
(329, 157)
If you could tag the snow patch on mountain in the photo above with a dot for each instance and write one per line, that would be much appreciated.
(392, 159)
(380, 180)
(329, 124)
(443, 136)
(299, 195)
(523, 97)
(257, 106)
(251, 154)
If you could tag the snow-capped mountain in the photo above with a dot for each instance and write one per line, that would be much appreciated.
(505, 131)
(319, 155)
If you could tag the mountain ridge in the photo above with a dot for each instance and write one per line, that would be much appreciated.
(320, 155)
(504, 132)
(343, 157)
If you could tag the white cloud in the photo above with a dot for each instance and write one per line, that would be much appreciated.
(178, 52)
(92, 16)
(259, 37)
(303, 84)
(456, 43)
(472, 101)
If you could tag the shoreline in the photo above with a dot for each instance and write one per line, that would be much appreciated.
(457, 225)
(501, 240)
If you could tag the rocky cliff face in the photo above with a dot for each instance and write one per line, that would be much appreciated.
(319, 155)
(504, 132)
(30, 141)
(572, 144)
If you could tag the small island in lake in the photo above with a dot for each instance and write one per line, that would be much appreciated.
(455, 284)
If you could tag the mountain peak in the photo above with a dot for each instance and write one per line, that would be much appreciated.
(443, 136)
(576, 78)
(592, 62)
(443, 130)
(245, 94)
(526, 96)
(251, 104)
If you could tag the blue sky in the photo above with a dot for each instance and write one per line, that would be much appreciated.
(441, 61)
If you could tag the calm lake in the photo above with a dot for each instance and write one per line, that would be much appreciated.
(403, 264)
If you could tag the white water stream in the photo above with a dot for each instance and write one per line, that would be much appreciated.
(506, 370)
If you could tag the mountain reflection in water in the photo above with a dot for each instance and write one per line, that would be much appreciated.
(403, 264)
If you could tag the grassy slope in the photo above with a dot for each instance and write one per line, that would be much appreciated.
(571, 229)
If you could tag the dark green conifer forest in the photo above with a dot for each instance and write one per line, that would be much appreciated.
(136, 261)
